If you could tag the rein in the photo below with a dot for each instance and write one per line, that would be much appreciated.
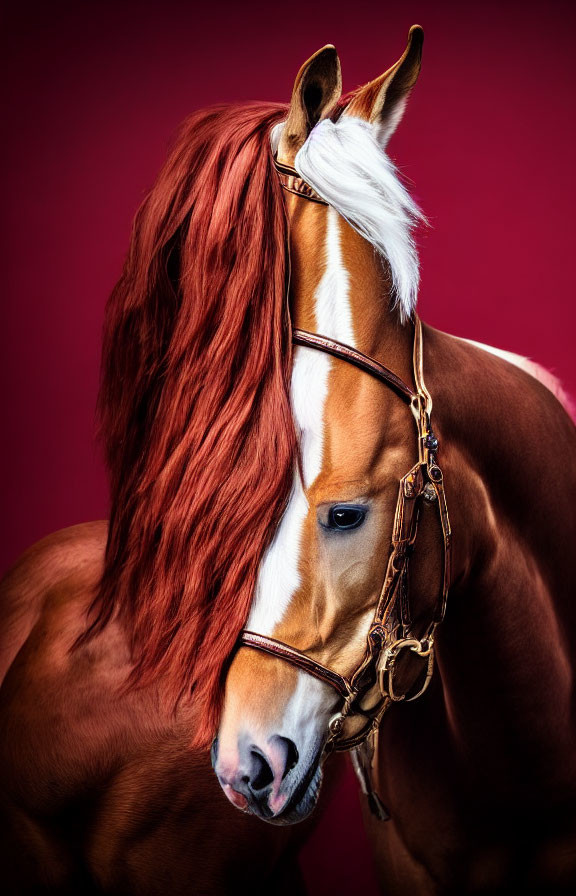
(390, 632)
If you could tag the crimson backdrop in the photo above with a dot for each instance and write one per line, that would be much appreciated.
(94, 92)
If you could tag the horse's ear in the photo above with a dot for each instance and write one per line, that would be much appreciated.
(382, 101)
(317, 89)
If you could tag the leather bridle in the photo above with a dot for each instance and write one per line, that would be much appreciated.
(390, 632)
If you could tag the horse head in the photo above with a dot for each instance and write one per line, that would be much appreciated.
(354, 277)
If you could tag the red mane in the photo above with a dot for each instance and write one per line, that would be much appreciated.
(194, 405)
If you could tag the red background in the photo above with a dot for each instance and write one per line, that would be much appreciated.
(94, 92)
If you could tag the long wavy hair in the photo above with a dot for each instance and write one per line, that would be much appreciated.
(194, 405)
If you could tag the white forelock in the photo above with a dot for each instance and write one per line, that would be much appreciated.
(346, 165)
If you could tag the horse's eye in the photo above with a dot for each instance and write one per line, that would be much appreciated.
(346, 516)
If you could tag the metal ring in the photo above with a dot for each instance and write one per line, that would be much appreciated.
(387, 664)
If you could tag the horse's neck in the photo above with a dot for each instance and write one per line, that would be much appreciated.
(483, 765)
(505, 650)
(506, 675)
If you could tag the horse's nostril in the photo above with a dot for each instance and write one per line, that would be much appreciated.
(289, 751)
(291, 756)
(261, 775)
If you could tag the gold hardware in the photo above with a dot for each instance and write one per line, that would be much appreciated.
(409, 487)
(336, 724)
(387, 663)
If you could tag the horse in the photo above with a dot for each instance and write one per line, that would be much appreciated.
(416, 604)
(300, 538)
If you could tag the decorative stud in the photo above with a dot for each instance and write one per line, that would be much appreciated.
(336, 724)
(431, 442)
(435, 473)
(429, 492)
(377, 635)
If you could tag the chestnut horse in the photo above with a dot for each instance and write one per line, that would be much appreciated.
(255, 488)
(473, 785)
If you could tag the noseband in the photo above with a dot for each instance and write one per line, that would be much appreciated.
(390, 632)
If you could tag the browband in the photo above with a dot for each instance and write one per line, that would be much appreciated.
(291, 181)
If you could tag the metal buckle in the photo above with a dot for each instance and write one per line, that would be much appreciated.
(338, 743)
(336, 724)
(387, 662)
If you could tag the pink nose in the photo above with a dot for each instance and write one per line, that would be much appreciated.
(237, 799)
(255, 782)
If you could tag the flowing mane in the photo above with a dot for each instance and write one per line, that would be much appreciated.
(194, 404)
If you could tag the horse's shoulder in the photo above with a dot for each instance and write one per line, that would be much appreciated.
(62, 715)
(52, 558)
(67, 562)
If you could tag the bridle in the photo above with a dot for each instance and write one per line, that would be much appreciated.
(391, 631)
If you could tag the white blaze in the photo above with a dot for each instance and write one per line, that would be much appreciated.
(279, 576)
